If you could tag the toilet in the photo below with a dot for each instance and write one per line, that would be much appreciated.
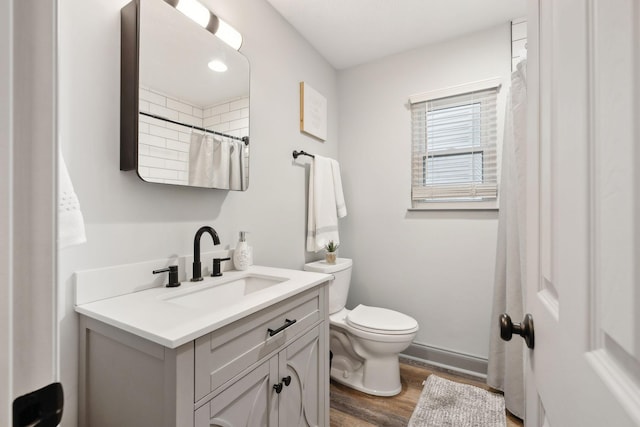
(365, 342)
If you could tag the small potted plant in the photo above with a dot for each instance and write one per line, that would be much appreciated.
(332, 249)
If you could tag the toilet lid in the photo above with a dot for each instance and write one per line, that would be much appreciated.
(381, 320)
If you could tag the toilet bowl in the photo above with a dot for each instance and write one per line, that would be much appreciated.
(365, 342)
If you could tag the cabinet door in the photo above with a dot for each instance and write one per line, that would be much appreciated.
(250, 401)
(301, 402)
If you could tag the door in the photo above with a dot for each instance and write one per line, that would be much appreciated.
(583, 224)
(28, 297)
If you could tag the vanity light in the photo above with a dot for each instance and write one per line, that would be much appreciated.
(202, 16)
(217, 65)
(228, 34)
(195, 11)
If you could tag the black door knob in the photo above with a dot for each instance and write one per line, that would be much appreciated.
(524, 329)
(277, 387)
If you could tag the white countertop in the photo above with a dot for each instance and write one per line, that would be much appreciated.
(150, 315)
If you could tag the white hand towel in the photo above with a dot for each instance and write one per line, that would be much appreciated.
(70, 220)
(326, 202)
(244, 165)
(201, 160)
(341, 207)
(221, 153)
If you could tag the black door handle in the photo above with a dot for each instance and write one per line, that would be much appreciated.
(524, 329)
(277, 387)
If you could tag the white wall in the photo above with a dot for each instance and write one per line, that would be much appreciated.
(128, 220)
(435, 266)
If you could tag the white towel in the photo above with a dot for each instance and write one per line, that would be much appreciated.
(235, 166)
(326, 203)
(201, 160)
(244, 166)
(70, 221)
(221, 153)
(341, 207)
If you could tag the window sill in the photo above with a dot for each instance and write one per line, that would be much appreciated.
(455, 206)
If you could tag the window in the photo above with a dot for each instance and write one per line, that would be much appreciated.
(454, 146)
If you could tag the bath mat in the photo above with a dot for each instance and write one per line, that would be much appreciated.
(445, 403)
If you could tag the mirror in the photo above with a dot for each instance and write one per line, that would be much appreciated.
(184, 120)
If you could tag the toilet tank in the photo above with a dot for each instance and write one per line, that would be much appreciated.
(339, 286)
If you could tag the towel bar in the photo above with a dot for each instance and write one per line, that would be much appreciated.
(301, 153)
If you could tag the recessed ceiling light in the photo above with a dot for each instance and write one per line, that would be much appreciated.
(217, 65)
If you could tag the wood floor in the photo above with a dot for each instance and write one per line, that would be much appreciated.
(351, 408)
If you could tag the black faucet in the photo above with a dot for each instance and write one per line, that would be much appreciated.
(197, 266)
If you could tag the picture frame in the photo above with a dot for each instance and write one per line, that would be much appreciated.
(313, 112)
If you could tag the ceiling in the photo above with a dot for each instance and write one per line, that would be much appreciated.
(352, 32)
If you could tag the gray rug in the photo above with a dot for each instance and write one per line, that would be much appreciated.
(445, 403)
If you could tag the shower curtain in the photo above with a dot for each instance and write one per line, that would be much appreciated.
(221, 162)
(201, 160)
(235, 165)
(506, 359)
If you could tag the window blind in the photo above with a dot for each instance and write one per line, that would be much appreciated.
(454, 147)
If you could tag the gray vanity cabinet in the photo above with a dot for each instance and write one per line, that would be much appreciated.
(224, 378)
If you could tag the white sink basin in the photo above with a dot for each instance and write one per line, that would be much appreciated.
(214, 293)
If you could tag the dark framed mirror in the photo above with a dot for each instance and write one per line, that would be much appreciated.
(184, 98)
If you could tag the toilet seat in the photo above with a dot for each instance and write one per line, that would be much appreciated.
(381, 321)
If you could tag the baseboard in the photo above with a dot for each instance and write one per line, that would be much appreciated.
(448, 360)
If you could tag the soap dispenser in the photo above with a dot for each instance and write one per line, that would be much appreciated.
(243, 255)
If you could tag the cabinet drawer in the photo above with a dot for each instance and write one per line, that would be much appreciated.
(221, 355)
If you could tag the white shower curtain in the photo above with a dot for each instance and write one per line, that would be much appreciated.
(201, 160)
(506, 359)
(235, 165)
(221, 162)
